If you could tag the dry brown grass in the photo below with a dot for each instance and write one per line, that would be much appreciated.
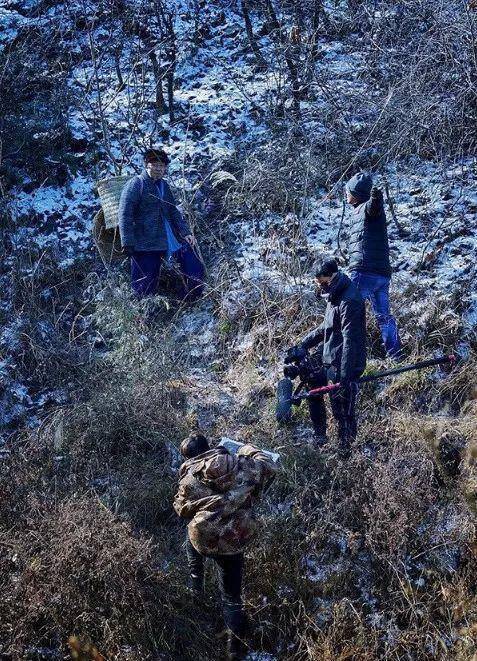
(358, 560)
(75, 567)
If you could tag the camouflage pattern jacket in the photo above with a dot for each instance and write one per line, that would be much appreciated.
(217, 491)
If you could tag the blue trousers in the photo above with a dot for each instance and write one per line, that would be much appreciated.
(375, 288)
(146, 271)
(192, 271)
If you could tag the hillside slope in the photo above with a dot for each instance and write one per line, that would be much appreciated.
(373, 558)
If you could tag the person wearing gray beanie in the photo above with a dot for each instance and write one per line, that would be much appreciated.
(368, 250)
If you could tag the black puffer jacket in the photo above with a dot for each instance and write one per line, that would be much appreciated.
(343, 331)
(368, 237)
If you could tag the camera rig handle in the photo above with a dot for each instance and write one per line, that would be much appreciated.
(443, 360)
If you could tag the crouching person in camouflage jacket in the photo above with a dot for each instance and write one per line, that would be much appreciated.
(217, 491)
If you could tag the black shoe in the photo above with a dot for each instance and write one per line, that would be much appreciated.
(319, 440)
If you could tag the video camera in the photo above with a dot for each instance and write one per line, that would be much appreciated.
(299, 363)
(309, 367)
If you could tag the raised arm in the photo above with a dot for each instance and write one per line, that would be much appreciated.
(375, 204)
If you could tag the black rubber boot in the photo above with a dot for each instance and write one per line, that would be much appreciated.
(196, 584)
(344, 442)
(236, 623)
(236, 648)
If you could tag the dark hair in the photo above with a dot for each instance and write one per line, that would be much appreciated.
(325, 267)
(156, 154)
(194, 445)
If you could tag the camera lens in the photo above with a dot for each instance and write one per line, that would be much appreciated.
(291, 371)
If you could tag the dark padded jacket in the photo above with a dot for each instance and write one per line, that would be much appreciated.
(343, 331)
(142, 212)
(368, 245)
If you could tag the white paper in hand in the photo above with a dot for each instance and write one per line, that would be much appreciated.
(234, 446)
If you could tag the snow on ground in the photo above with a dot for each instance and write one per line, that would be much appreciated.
(218, 95)
(10, 22)
(437, 208)
(219, 91)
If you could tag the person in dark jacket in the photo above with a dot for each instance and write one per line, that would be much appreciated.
(369, 255)
(343, 333)
(152, 229)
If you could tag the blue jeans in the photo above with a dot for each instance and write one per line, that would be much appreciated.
(375, 288)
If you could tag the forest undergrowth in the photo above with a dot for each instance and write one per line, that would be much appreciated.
(363, 559)
(367, 559)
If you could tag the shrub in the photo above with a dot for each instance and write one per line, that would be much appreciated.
(76, 569)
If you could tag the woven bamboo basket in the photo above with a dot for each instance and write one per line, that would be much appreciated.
(109, 193)
(107, 241)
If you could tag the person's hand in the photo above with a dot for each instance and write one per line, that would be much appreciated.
(128, 250)
(247, 450)
(190, 240)
(376, 193)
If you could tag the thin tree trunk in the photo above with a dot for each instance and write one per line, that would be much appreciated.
(318, 14)
(156, 68)
(117, 65)
(292, 67)
(170, 94)
(251, 37)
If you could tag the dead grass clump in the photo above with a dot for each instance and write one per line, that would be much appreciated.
(280, 173)
(348, 636)
(130, 404)
(121, 444)
(440, 390)
(45, 344)
(76, 569)
(264, 316)
(401, 492)
(142, 490)
(365, 550)
(123, 417)
(460, 389)
(428, 324)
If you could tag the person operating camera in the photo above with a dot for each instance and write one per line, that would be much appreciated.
(343, 334)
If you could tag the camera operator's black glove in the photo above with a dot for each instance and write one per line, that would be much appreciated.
(294, 354)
